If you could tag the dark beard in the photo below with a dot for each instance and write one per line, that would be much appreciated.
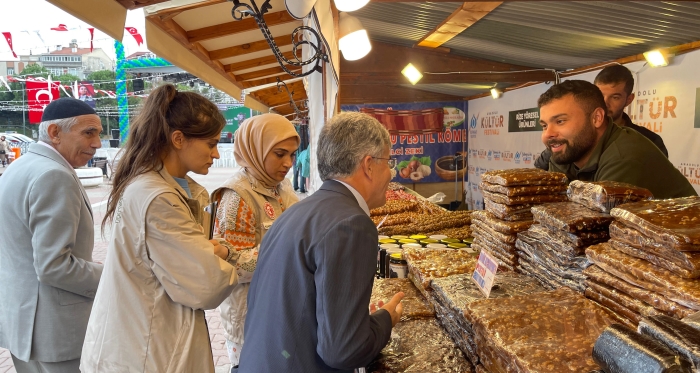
(582, 144)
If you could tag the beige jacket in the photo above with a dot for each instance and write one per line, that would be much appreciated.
(159, 276)
(234, 308)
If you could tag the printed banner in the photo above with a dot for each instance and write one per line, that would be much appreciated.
(40, 94)
(86, 92)
(524, 120)
(429, 157)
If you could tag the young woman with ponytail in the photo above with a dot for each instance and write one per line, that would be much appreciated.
(161, 271)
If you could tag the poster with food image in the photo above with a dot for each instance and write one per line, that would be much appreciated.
(428, 157)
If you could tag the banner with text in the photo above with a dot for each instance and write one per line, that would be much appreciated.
(429, 157)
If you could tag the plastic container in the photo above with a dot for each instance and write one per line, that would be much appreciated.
(407, 240)
(469, 241)
(398, 268)
(389, 252)
(411, 245)
(387, 240)
(457, 245)
(428, 241)
(398, 237)
(436, 246)
(448, 241)
(382, 237)
(438, 237)
(418, 237)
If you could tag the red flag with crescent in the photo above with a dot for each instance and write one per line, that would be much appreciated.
(135, 33)
(8, 37)
(92, 35)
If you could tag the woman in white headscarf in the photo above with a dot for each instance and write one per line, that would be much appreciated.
(249, 202)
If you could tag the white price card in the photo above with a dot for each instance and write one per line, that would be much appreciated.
(485, 272)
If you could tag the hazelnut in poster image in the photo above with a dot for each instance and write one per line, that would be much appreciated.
(415, 168)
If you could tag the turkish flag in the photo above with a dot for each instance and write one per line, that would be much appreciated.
(40, 94)
(8, 37)
(61, 27)
(135, 33)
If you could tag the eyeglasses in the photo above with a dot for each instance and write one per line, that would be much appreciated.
(390, 161)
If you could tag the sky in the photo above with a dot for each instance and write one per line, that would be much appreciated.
(23, 18)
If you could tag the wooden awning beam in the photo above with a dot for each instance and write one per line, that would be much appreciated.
(236, 27)
(256, 62)
(263, 73)
(372, 78)
(461, 19)
(247, 48)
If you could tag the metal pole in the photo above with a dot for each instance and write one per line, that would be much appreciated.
(23, 124)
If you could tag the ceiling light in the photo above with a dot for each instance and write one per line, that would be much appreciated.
(350, 5)
(354, 41)
(496, 93)
(657, 57)
(412, 74)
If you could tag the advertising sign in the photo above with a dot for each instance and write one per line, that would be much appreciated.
(524, 120)
(430, 157)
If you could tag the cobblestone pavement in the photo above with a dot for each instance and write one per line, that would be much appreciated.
(98, 197)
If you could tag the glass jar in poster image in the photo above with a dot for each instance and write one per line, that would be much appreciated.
(415, 168)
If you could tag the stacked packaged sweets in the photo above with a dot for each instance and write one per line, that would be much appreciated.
(452, 294)
(553, 250)
(651, 264)
(427, 264)
(508, 197)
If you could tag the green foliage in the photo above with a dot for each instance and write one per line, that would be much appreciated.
(35, 70)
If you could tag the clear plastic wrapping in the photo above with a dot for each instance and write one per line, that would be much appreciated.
(426, 264)
(674, 334)
(419, 346)
(688, 260)
(656, 300)
(693, 320)
(621, 311)
(524, 176)
(478, 225)
(522, 200)
(483, 239)
(462, 337)
(538, 236)
(509, 213)
(675, 222)
(570, 217)
(604, 195)
(566, 270)
(414, 304)
(646, 275)
(480, 369)
(523, 190)
(621, 350)
(460, 233)
(635, 305)
(549, 278)
(654, 259)
(551, 331)
(579, 240)
(499, 225)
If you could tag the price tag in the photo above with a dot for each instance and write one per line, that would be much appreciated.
(485, 272)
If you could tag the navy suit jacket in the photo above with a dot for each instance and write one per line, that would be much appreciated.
(309, 297)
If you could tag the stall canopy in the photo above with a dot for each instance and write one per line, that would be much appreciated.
(201, 37)
(504, 44)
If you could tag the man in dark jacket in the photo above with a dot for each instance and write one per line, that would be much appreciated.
(308, 303)
(616, 83)
(587, 145)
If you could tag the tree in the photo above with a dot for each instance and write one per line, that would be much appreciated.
(35, 70)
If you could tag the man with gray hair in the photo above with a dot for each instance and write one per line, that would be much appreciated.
(46, 239)
(308, 300)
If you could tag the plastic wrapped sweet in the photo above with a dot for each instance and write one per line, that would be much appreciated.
(550, 279)
(552, 331)
(508, 213)
(426, 264)
(505, 262)
(522, 200)
(674, 334)
(524, 176)
(506, 238)
(579, 239)
(414, 304)
(656, 300)
(654, 259)
(646, 275)
(491, 241)
(570, 217)
(621, 311)
(634, 305)
(480, 369)
(537, 235)
(499, 225)
(461, 336)
(549, 254)
(621, 350)
(419, 346)
(675, 222)
(523, 190)
(688, 260)
(604, 195)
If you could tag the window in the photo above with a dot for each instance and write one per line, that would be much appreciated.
(10, 71)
